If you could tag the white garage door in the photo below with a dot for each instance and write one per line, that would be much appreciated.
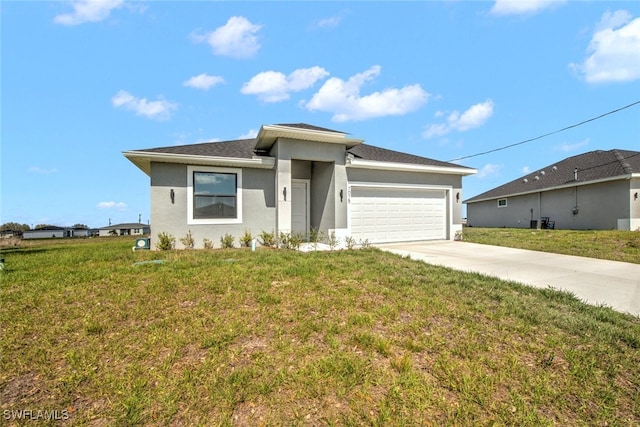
(397, 214)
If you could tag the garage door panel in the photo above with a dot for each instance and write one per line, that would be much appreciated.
(394, 214)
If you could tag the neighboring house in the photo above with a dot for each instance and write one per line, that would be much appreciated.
(295, 177)
(125, 229)
(52, 232)
(596, 190)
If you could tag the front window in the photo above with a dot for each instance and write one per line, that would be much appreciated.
(214, 195)
(502, 203)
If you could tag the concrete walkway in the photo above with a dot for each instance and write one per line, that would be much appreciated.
(598, 282)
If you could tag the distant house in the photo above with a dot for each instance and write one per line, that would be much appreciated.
(597, 190)
(50, 232)
(53, 232)
(295, 178)
(125, 229)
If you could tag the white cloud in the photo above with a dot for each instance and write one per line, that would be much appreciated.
(488, 170)
(112, 205)
(613, 54)
(475, 116)
(526, 170)
(160, 109)
(203, 81)
(38, 169)
(237, 38)
(273, 86)
(249, 135)
(523, 7)
(88, 11)
(566, 147)
(343, 99)
(331, 22)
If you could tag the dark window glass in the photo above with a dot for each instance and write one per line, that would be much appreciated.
(214, 195)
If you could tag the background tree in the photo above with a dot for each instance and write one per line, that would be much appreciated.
(14, 226)
(81, 226)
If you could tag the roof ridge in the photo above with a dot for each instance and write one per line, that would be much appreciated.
(623, 161)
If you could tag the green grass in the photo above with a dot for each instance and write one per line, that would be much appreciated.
(225, 337)
(603, 244)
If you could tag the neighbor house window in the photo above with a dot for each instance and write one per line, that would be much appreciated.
(502, 203)
(214, 195)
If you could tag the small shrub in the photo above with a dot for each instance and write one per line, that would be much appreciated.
(245, 240)
(208, 244)
(165, 242)
(315, 236)
(365, 244)
(268, 239)
(283, 240)
(227, 241)
(332, 240)
(350, 242)
(291, 240)
(188, 241)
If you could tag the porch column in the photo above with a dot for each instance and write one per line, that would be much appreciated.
(283, 196)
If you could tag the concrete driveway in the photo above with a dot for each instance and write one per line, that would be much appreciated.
(598, 282)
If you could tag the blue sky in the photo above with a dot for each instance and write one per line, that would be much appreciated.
(81, 82)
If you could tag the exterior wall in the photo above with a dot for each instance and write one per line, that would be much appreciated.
(258, 205)
(43, 234)
(324, 164)
(600, 206)
(452, 183)
(634, 198)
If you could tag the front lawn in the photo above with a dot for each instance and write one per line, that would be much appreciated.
(603, 244)
(275, 337)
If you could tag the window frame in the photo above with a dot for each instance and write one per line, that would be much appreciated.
(502, 205)
(191, 170)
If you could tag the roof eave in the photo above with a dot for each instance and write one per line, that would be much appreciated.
(408, 167)
(558, 187)
(144, 159)
(268, 135)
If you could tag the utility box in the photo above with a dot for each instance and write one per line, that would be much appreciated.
(143, 243)
(533, 224)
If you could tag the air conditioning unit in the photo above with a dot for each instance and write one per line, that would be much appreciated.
(143, 243)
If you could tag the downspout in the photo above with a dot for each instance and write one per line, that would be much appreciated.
(539, 225)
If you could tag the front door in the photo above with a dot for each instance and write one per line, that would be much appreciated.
(300, 207)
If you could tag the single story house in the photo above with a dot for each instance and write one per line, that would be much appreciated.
(295, 177)
(124, 229)
(598, 190)
(53, 232)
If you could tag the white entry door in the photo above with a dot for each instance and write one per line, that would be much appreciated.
(398, 214)
(300, 206)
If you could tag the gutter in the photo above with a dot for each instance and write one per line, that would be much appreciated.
(407, 167)
(143, 160)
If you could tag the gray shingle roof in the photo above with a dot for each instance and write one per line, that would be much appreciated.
(244, 149)
(591, 166)
(371, 152)
(241, 148)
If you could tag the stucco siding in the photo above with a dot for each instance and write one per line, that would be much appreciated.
(594, 206)
(324, 165)
(258, 205)
(634, 200)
